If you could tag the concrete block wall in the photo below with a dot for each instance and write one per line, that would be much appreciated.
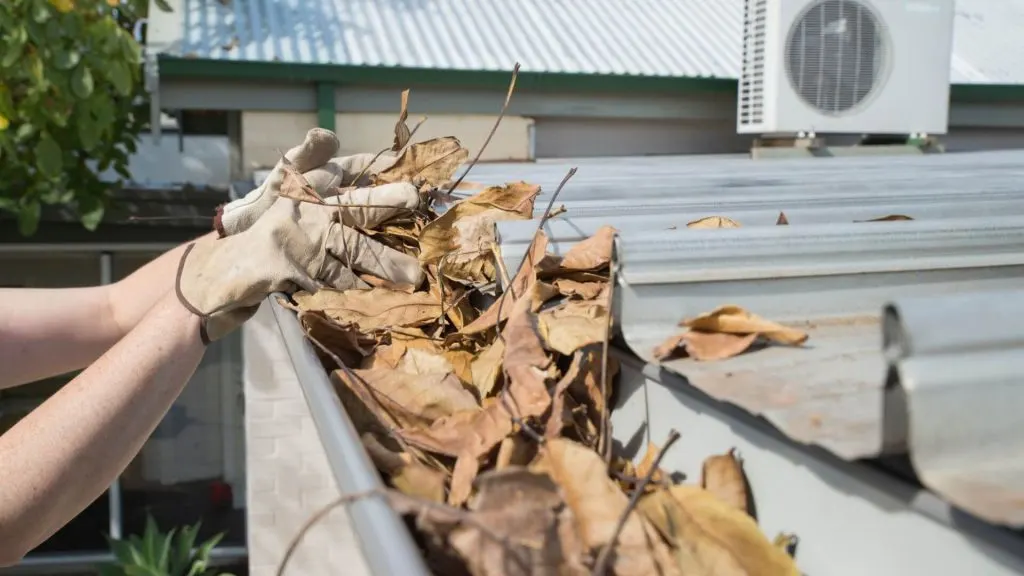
(288, 478)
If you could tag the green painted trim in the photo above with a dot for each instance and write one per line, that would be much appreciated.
(325, 105)
(341, 75)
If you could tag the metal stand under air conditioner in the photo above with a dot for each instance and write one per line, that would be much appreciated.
(809, 144)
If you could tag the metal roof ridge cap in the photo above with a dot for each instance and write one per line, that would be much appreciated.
(921, 325)
(978, 477)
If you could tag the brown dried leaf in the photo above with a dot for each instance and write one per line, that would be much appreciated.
(296, 187)
(647, 462)
(404, 473)
(524, 284)
(431, 162)
(710, 537)
(713, 222)
(462, 364)
(515, 450)
(344, 340)
(782, 221)
(474, 432)
(402, 133)
(459, 240)
(561, 413)
(722, 475)
(732, 319)
(487, 368)
(526, 363)
(573, 325)
(597, 503)
(704, 346)
(417, 362)
(407, 400)
(582, 290)
(373, 309)
(889, 218)
(527, 511)
(466, 469)
(591, 254)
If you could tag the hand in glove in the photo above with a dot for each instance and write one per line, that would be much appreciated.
(293, 245)
(315, 160)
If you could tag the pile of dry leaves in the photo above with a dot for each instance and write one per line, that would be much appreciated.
(488, 415)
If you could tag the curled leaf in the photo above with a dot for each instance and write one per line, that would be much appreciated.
(732, 319)
(430, 163)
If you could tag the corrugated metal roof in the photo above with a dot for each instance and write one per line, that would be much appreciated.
(884, 372)
(674, 38)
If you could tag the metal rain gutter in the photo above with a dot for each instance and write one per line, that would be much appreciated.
(874, 523)
(955, 363)
(831, 280)
(385, 541)
(584, 218)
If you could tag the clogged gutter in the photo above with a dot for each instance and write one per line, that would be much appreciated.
(489, 422)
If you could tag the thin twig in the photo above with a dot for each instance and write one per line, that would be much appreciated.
(605, 444)
(405, 502)
(603, 559)
(504, 107)
(529, 249)
(154, 218)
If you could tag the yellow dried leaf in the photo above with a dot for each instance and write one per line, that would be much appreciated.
(713, 222)
(597, 503)
(735, 320)
(593, 253)
(431, 162)
(486, 368)
(710, 537)
(373, 309)
(722, 475)
(407, 400)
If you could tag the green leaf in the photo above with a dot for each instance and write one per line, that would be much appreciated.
(163, 550)
(24, 132)
(49, 158)
(66, 59)
(81, 82)
(28, 218)
(15, 46)
(121, 77)
(182, 552)
(88, 133)
(151, 533)
(40, 12)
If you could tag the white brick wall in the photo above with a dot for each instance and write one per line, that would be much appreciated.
(288, 478)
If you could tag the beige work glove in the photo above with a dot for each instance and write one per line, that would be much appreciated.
(314, 158)
(295, 245)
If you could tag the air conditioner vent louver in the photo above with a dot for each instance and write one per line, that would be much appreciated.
(836, 55)
(751, 92)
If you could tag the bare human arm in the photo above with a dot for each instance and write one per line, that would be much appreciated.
(64, 454)
(46, 332)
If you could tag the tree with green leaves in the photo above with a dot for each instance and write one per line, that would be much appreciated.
(72, 104)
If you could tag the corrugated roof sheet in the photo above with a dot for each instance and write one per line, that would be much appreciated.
(884, 372)
(675, 38)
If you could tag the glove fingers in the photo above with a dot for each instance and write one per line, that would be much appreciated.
(342, 171)
(370, 207)
(364, 254)
(318, 147)
(339, 276)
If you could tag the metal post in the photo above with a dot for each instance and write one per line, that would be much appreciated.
(114, 493)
